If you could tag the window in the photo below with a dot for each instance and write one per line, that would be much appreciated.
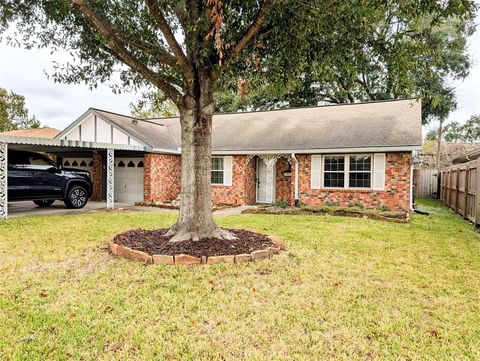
(334, 171)
(38, 160)
(347, 171)
(217, 170)
(360, 175)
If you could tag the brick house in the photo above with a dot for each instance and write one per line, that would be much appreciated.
(341, 154)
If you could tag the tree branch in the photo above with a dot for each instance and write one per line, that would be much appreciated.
(247, 36)
(164, 57)
(179, 10)
(117, 46)
(170, 38)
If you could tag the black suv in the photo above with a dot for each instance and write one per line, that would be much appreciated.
(32, 176)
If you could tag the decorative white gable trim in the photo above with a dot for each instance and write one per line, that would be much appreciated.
(96, 128)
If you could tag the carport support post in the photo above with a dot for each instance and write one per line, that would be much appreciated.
(3, 180)
(110, 178)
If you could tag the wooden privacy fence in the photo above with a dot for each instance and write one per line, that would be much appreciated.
(425, 183)
(460, 189)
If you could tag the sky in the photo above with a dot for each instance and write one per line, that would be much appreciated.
(57, 105)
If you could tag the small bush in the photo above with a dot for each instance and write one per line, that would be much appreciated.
(356, 205)
(330, 204)
(384, 208)
(282, 203)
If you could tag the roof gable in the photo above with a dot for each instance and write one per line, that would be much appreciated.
(387, 125)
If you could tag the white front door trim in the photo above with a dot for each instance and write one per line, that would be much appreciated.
(265, 180)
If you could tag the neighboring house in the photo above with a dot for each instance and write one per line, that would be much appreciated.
(33, 133)
(448, 152)
(340, 154)
(472, 155)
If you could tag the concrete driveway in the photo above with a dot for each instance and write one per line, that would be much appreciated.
(27, 208)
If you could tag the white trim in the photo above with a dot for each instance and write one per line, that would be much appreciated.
(295, 181)
(64, 133)
(170, 151)
(68, 143)
(379, 169)
(274, 196)
(321, 151)
(227, 170)
(316, 166)
(218, 170)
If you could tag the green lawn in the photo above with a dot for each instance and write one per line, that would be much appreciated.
(346, 289)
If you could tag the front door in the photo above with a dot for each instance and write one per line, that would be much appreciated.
(261, 181)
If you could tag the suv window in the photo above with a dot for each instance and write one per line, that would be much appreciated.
(38, 160)
(17, 158)
(26, 160)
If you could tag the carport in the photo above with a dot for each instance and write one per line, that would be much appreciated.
(60, 147)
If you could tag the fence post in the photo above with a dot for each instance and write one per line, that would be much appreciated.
(439, 185)
(465, 202)
(476, 221)
(457, 187)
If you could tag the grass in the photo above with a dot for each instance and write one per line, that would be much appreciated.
(346, 289)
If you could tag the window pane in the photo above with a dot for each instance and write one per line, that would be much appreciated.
(217, 163)
(217, 177)
(334, 164)
(334, 180)
(361, 163)
(33, 160)
(359, 180)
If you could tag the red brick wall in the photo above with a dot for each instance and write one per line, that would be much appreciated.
(97, 177)
(283, 184)
(242, 190)
(162, 174)
(396, 195)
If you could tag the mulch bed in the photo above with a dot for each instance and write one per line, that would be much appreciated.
(155, 242)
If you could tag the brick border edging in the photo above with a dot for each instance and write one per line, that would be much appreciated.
(185, 259)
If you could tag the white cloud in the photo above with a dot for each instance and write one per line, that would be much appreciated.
(55, 105)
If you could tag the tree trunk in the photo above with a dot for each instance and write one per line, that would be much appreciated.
(195, 221)
(439, 144)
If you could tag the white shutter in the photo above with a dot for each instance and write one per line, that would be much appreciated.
(316, 172)
(379, 171)
(227, 170)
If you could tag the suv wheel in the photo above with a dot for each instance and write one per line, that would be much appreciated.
(44, 202)
(77, 197)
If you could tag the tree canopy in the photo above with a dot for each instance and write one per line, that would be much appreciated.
(377, 51)
(305, 52)
(13, 113)
(455, 132)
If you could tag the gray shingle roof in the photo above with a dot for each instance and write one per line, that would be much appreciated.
(362, 125)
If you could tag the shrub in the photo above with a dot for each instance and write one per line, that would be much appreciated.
(282, 203)
(384, 208)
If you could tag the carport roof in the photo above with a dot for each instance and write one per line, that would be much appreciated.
(57, 145)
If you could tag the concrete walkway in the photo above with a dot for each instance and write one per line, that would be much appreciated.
(27, 208)
(218, 213)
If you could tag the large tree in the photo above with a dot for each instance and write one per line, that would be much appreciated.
(396, 52)
(13, 112)
(184, 48)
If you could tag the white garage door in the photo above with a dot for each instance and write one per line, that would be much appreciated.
(128, 180)
(79, 163)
